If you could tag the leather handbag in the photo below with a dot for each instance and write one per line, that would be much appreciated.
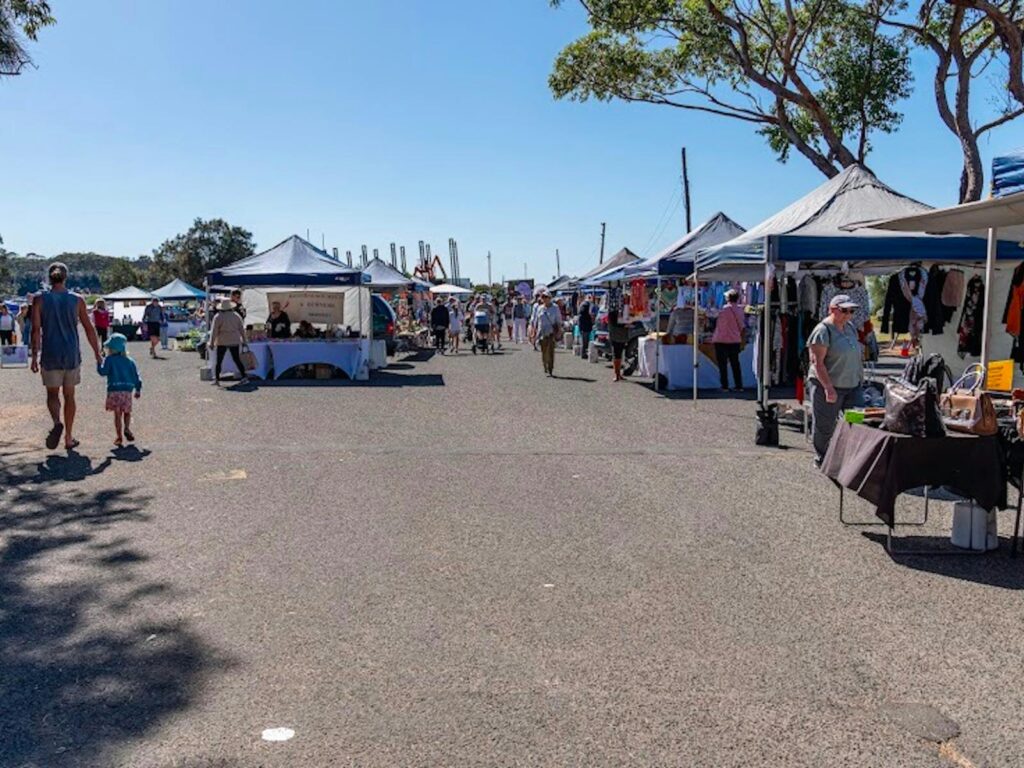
(248, 358)
(966, 408)
(912, 409)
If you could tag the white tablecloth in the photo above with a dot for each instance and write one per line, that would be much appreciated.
(259, 348)
(675, 362)
(346, 355)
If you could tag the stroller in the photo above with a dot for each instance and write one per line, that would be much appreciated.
(482, 333)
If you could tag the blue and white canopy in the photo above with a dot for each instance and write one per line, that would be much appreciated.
(293, 262)
(179, 290)
(820, 228)
(384, 276)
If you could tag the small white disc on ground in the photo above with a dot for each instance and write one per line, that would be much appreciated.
(278, 734)
(548, 586)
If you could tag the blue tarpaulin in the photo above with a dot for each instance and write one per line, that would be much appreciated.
(1008, 174)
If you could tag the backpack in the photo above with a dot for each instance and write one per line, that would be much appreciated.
(932, 367)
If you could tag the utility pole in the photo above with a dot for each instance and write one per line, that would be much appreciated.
(602, 244)
(558, 264)
(488, 269)
(686, 193)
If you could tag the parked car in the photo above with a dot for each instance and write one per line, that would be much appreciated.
(631, 355)
(384, 321)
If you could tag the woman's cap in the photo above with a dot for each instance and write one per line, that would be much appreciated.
(225, 305)
(843, 301)
(117, 342)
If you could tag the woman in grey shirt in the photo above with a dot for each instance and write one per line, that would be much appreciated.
(836, 373)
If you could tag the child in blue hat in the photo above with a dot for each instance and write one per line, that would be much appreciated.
(122, 378)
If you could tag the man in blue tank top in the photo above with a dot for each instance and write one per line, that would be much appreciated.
(55, 349)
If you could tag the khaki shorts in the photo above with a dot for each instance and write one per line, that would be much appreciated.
(69, 377)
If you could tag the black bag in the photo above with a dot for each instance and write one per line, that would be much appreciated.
(912, 410)
(932, 367)
(768, 426)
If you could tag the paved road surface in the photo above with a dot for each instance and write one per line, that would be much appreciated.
(471, 564)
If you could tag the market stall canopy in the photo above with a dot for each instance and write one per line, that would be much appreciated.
(677, 259)
(1008, 174)
(293, 262)
(179, 290)
(820, 228)
(447, 288)
(383, 275)
(620, 259)
(131, 293)
(1006, 214)
(562, 283)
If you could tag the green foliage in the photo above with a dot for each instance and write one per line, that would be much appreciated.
(84, 271)
(6, 275)
(121, 273)
(20, 20)
(818, 76)
(205, 246)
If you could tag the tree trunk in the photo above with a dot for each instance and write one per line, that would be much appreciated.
(972, 177)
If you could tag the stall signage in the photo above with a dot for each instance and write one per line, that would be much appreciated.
(317, 307)
(1000, 375)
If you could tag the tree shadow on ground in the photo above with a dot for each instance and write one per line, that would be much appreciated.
(86, 665)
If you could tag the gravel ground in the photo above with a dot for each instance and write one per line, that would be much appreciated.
(467, 563)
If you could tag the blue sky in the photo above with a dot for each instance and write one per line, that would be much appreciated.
(372, 123)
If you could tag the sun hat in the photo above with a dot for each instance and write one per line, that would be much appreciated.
(843, 301)
(226, 305)
(117, 342)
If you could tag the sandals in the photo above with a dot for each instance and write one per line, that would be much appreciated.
(119, 443)
(72, 445)
(129, 435)
(53, 438)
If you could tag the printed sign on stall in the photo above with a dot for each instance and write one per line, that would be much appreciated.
(317, 307)
(1000, 375)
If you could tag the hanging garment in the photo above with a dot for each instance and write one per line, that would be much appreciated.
(913, 283)
(857, 293)
(808, 294)
(933, 301)
(897, 308)
(1014, 302)
(953, 290)
(972, 319)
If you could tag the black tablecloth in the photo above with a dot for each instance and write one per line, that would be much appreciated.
(878, 465)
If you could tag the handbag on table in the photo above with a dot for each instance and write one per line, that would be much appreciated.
(966, 408)
(912, 409)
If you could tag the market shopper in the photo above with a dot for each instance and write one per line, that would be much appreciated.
(836, 374)
(547, 328)
(507, 311)
(56, 315)
(440, 320)
(101, 319)
(25, 325)
(618, 331)
(227, 334)
(728, 338)
(585, 324)
(278, 322)
(455, 323)
(152, 318)
(7, 326)
(122, 377)
(520, 314)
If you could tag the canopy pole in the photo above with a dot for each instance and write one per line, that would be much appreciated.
(766, 337)
(990, 266)
(657, 333)
(696, 324)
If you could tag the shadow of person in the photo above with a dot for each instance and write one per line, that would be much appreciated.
(72, 467)
(130, 453)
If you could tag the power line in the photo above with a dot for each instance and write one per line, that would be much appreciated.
(663, 220)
